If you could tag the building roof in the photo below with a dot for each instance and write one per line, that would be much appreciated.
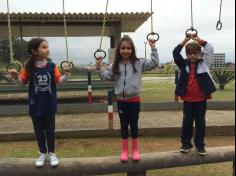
(130, 22)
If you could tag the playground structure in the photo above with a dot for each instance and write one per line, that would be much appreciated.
(28, 25)
(70, 25)
(80, 24)
(111, 165)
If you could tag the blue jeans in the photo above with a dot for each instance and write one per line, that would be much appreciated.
(194, 112)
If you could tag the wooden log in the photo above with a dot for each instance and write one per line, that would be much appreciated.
(111, 165)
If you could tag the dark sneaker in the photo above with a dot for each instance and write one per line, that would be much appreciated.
(201, 152)
(185, 149)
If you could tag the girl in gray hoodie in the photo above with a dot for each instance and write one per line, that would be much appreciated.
(126, 72)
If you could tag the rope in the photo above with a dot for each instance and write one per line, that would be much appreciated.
(219, 24)
(192, 14)
(192, 30)
(152, 28)
(65, 31)
(221, 3)
(10, 34)
(104, 25)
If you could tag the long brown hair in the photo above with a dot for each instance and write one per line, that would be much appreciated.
(33, 44)
(118, 58)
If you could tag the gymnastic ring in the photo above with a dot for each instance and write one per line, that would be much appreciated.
(71, 65)
(193, 31)
(219, 25)
(13, 65)
(100, 51)
(153, 34)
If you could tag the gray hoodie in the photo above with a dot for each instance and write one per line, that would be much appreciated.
(128, 83)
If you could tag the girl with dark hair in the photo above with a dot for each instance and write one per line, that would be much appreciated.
(126, 72)
(42, 76)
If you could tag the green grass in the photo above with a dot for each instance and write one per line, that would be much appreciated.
(227, 94)
(163, 92)
(156, 91)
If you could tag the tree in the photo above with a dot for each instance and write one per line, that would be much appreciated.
(223, 77)
(168, 68)
(19, 49)
(4, 50)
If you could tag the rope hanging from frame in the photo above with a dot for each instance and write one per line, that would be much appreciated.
(153, 34)
(100, 51)
(191, 30)
(68, 62)
(12, 64)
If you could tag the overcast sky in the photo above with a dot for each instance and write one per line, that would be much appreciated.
(171, 19)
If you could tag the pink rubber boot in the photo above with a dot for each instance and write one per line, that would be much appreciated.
(136, 156)
(125, 150)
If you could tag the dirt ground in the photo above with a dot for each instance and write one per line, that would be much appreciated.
(70, 148)
(100, 120)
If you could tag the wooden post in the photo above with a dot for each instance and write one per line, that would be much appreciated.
(89, 87)
(138, 173)
(110, 109)
(233, 167)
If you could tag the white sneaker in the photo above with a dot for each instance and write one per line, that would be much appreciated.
(41, 160)
(53, 160)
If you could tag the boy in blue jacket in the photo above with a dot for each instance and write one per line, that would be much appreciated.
(195, 87)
